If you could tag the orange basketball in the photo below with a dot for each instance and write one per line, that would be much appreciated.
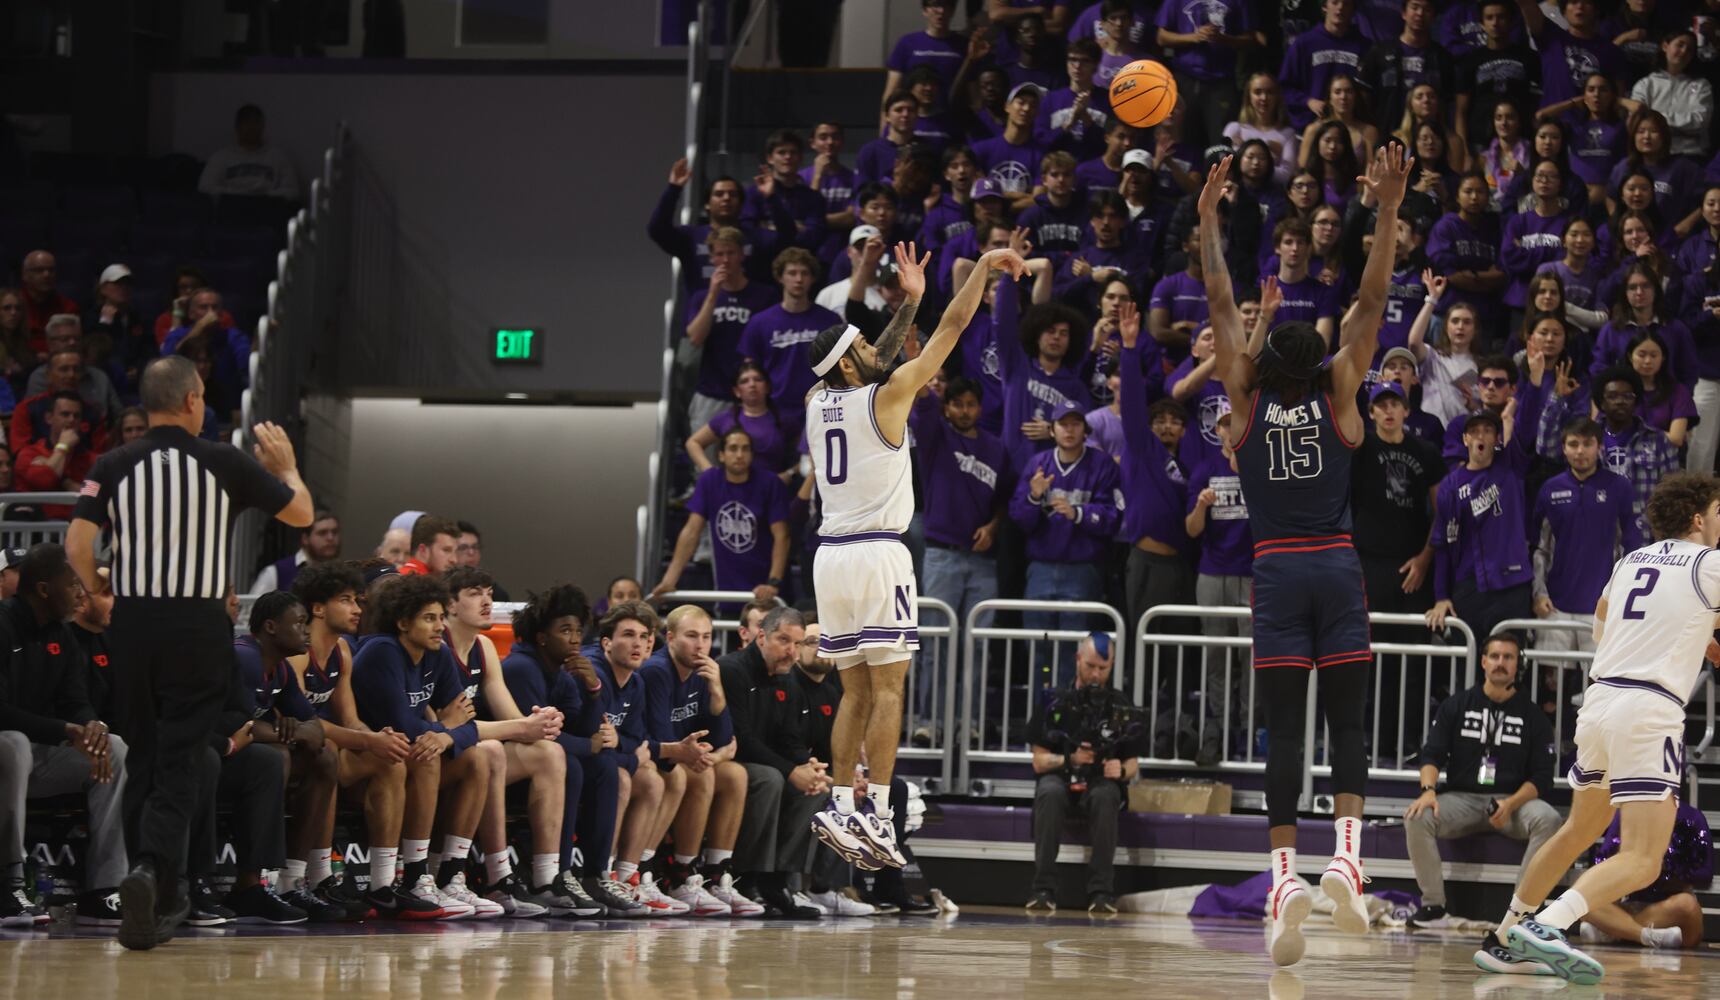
(1143, 93)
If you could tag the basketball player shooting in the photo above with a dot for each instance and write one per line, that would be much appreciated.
(856, 422)
(1310, 610)
(1653, 625)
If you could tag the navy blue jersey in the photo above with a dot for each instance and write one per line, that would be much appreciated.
(470, 662)
(392, 691)
(625, 706)
(266, 690)
(679, 707)
(1294, 463)
(321, 679)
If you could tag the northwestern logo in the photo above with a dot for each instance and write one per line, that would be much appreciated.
(736, 527)
(904, 604)
(1012, 176)
(976, 468)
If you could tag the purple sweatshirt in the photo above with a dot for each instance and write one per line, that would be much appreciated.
(978, 352)
(1205, 62)
(1616, 336)
(739, 517)
(1595, 146)
(1015, 168)
(1478, 526)
(772, 440)
(778, 340)
(1677, 184)
(1578, 525)
(1227, 544)
(1310, 61)
(1056, 127)
(1029, 392)
(1090, 485)
(1056, 231)
(947, 220)
(721, 357)
(1153, 482)
(1530, 240)
(1567, 61)
(1403, 302)
(963, 480)
(1455, 245)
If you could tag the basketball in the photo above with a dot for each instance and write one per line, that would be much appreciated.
(1143, 93)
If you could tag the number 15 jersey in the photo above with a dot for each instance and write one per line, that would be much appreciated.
(1294, 464)
(865, 483)
(1661, 606)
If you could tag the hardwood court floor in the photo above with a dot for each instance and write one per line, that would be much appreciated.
(980, 953)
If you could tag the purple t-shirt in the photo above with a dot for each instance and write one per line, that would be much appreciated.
(1660, 414)
(837, 186)
(963, 480)
(1015, 168)
(1310, 61)
(772, 440)
(1208, 403)
(1227, 544)
(1595, 146)
(1090, 24)
(876, 162)
(1183, 295)
(1567, 62)
(1205, 62)
(1579, 288)
(739, 516)
(721, 356)
(1306, 301)
(778, 340)
(1094, 175)
(1589, 519)
(944, 55)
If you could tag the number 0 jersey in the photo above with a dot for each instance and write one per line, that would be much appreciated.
(1661, 607)
(1294, 464)
(865, 483)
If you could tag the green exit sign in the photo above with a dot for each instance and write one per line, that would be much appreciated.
(517, 347)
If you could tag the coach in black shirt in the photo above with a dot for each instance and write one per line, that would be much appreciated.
(171, 498)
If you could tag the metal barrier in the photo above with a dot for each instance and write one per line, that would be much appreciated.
(938, 655)
(979, 746)
(22, 533)
(725, 629)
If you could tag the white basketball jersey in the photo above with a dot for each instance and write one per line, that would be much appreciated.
(1661, 607)
(864, 482)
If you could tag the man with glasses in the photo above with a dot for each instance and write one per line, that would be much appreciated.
(469, 551)
(1070, 118)
(1496, 386)
(42, 301)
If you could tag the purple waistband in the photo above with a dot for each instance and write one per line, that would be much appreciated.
(1628, 682)
(863, 536)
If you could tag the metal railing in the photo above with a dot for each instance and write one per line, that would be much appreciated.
(725, 630)
(939, 654)
(23, 532)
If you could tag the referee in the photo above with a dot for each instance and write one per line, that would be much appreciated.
(171, 498)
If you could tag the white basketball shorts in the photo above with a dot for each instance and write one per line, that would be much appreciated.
(1630, 739)
(866, 599)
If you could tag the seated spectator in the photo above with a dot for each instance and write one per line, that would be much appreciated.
(59, 460)
(1331, 48)
(1463, 248)
(119, 341)
(716, 316)
(469, 551)
(777, 338)
(1667, 914)
(42, 300)
(1631, 448)
(740, 503)
(227, 347)
(1684, 100)
(434, 546)
(1582, 517)
(752, 412)
(65, 333)
(250, 166)
(1071, 775)
(1495, 746)
(1667, 405)
(318, 543)
(51, 740)
(1640, 307)
(779, 179)
(724, 199)
(1068, 502)
(396, 546)
(1481, 569)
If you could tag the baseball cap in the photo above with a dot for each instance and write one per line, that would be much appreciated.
(115, 272)
(985, 187)
(1018, 88)
(1387, 388)
(1483, 417)
(406, 520)
(860, 234)
(10, 558)
(1398, 352)
(376, 573)
(1066, 409)
(1138, 158)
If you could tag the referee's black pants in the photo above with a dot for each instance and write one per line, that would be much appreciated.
(173, 662)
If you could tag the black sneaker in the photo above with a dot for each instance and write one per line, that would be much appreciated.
(17, 909)
(902, 903)
(1430, 916)
(316, 909)
(614, 903)
(258, 904)
(1043, 901)
(565, 897)
(137, 892)
(339, 890)
(779, 903)
(207, 909)
(394, 901)
(100, 908)
(1102, 903)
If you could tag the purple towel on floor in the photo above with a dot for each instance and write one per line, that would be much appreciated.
(1247, 900)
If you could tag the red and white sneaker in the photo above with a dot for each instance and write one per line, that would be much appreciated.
(645, 891)
(738, 903)
(1289, 905)
(481, 908)
(698, 899)
(1342, 883)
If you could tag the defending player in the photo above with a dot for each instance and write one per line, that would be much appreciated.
(1653, 625)
(1310, 609)
(856, 422)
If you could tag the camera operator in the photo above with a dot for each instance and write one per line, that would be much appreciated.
(1085, 743)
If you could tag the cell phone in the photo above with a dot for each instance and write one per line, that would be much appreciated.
(1492, 806)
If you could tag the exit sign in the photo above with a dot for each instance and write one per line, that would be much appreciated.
(517, 347)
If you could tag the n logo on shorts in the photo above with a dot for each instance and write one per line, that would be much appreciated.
(904, 605)
(1672, 757)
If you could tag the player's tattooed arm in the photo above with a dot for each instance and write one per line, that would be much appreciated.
(896, 333)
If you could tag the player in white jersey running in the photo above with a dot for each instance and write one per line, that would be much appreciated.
(1654, 625)
(856, 427)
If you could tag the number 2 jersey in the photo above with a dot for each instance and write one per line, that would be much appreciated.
(1294, 464)
(865, 484)
(1662, 602)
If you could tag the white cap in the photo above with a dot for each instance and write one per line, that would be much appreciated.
(862, 233)
(114, 272)
(1138, 158)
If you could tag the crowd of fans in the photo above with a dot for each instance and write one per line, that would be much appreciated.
(1551, 346)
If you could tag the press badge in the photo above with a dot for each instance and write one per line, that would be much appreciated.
(1489, 769)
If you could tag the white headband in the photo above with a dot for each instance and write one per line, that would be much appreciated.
(843, 342)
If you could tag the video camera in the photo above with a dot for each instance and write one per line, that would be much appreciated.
(1100, 717)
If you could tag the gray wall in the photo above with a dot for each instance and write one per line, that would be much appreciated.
(527, 193)
(554, 488)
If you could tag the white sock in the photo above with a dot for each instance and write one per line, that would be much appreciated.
(292, 875)
(646, 855)
(320, 868)
(414, 850)
(382, 860)
(1662, 937)
(625, 870)
(497, 866)
(458, 849)
(1564, 911)
(1513, 917)
(842, 796)
(544, 869)
(879, 796)
(716, 857)
(1349, 843)
(686, 860)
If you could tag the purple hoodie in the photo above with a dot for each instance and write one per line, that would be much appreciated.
(1029, 392)
(1530, 240)
(1090, 485)
(1616, 336)
(1153, 481)
(1056, 232)
(963, 480)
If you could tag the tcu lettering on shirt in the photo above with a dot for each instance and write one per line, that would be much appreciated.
(732, 314)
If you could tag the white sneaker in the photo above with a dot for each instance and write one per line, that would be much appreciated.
(842, 833)
(840, 904)
(1662, 937)
(739, 905)
(452, 909)
(802, 899)
(1289, 905)
(880, 836)
(692, 893)
(645, 891)
(1342, 883)
(478, 907)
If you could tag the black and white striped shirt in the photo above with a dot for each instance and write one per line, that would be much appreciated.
(171, 499)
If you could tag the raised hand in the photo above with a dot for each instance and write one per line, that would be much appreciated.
(911, 270)
(1271, 296)
(1213, 191)
(1435, 283)
(765, 181)
(1007, 261)
(1019, 242)
(1388, 174)
(680, 173)
(1040, 482)
(1128, 323)
(274, 449)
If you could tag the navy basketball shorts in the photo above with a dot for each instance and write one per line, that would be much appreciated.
(1310, 604)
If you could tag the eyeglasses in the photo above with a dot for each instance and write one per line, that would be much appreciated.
(1494, 381)
(1626, 394)
(811, 642)
(1302, 185)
